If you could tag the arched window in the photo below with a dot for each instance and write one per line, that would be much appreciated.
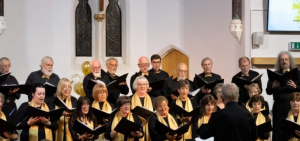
(113, 29)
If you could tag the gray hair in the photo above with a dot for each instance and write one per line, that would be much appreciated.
(292, 62)
(111, 58)
(230, 92)
(2, 97)
(3, 58)
(219, 85)
(44, 59)
(204, 59)
(138, 79)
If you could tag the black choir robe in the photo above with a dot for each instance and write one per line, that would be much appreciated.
(136, 119)
(264, 136)
(281, 105)
(150, 78)
(153, 134)
(9, 107)
(89, 93)
(36, 77)
(74, 134)
(162, 75)
(21, 115)
(214, 77)
(194, 119)
(233, 123)
(173, 86)
(115, 94)
(244, 96)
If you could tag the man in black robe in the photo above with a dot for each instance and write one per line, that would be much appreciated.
(208, 76)
(233, 123)
(9, 105)
(158, 73)
(143, 64)
(172, 86)
(281, 105)
(45, 74)
(247, 74)
(95, 75)
(112, 65)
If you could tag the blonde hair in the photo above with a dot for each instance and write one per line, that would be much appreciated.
(98, 88)
(254, 85)
(61, 83)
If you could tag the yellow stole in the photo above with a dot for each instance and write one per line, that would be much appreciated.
(34, 129)
(89, 124)
(59, 133)
(188, 107)
(172, 123)
(117, 118)
(2, 116)
(260, 120)
(107, 108)
(250, 109)
(291, 117)
(202, 120)
(135, 101)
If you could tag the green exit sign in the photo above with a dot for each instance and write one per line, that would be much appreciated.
(294, 45)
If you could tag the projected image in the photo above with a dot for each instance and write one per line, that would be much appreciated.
(284, 15)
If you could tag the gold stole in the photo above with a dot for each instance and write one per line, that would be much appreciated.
(202, 120)
(89, 124)
(291, 117)
(250, 109)
(117, 118)
(59, 133)
(260, 120)
(107, 108)
(172, 123)
(2, 116)
(188, 107)
(34, 129)
(135, 101)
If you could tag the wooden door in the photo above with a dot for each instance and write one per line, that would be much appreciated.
(171, 60)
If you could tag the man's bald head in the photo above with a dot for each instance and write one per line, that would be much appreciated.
(95, 67)
(143, 64)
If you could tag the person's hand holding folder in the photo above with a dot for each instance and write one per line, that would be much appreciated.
(33, 120)
(65, 113)
(10, 136)
(113, 134)
(291, 83)
(12, 91)
(86, 137)
(171, 138)
(205, 91)
(275, 84)
(45, 121)
(185, 119)
(136, 134)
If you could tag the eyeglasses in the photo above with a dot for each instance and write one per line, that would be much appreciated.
(184, 71)
(67, 87)
(140, 85)
(85, 106)
(126, 105)
(156, 62)
(102, 93)
(6, 66)
(162, 107)
(144, 65)
(113, 65)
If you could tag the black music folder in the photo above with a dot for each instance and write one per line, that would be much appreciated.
(100, 115)
(157, 85)
(50, 89)
(240, 82)
(288, 126)
(163, 129)
(112, 85)
(3, 77)
(207, 85)
(23, 89)
(180, 111)
(283, 78)
(62, 104)
(53, 114)
(6, 127)
(142, 112)
(125, 127)
(264, 128)
(81, 128)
